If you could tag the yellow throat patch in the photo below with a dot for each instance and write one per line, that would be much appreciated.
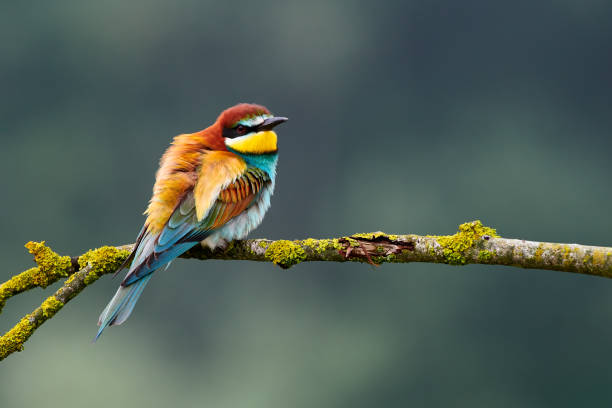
(254, 143)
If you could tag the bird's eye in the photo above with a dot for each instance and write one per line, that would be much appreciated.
(241, 129)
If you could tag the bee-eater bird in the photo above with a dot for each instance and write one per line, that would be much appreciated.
(212, 186)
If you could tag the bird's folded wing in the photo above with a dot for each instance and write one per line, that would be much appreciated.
(226, 187)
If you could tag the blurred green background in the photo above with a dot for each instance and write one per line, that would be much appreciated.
(406, 117)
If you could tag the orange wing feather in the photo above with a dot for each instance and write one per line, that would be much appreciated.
(218, 170)
(178, 174)
(237, 196)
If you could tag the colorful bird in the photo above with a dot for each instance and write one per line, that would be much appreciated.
(212, 186)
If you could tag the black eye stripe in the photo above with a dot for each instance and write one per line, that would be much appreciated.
(233, 132)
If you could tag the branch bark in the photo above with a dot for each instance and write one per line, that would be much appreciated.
(472, 244)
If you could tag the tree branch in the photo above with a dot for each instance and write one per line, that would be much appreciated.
(472, 244)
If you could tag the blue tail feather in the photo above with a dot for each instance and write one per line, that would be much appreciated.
(121, 305)
(160, 260)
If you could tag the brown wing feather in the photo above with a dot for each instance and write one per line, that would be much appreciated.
(237, 196)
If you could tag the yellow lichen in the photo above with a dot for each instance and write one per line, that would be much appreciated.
(103, 260)
(587, 261)
(566, 255)
(430, 249)
(374, 235)
(367, 235)
(50, 306)
(352, 242)
(310, 242)
(485, 256)
(336, 243)
(599, 258)
(317, 245)
(13, 339)
(70, 279)
(285, 253)
(455, 246)
(51, 266)
(538, 254)
(323, 244)
(19, 283)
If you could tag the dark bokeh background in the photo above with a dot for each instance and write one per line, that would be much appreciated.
(407, 117)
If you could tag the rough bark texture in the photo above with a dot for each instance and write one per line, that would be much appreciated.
(472, 244)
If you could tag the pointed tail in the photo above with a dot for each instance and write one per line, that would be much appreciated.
(121, 305)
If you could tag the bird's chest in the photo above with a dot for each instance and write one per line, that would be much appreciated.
(240, 226)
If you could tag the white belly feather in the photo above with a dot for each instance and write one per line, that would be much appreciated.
(240, 226)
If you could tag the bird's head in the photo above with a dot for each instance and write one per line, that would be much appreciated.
(247, 129)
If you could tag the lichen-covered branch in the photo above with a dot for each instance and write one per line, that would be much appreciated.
(472, 244)
(93, 264)
(51, 267)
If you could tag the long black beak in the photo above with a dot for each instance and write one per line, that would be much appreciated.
(270, 123)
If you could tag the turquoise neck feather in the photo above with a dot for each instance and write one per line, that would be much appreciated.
(265, 162)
